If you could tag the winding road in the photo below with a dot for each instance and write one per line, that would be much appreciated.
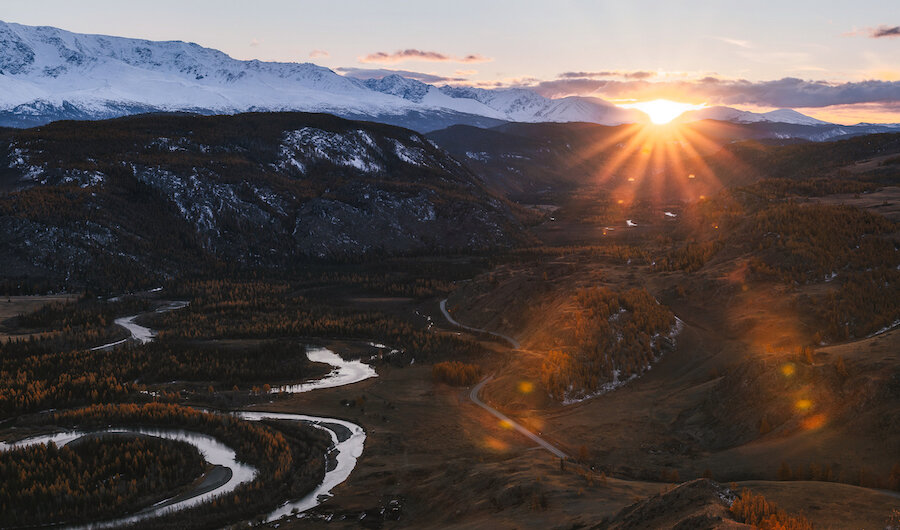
(473, 395)
(450, 319)
(476, 390)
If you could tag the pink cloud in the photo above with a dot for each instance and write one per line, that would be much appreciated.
(420, 55)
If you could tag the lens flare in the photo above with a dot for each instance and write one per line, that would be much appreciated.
(816, 421)
(526, 387)
(495, 444)
(662, 111)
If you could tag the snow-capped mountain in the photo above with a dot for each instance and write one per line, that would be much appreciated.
(744, 116)
(784, 124)
(48, 74)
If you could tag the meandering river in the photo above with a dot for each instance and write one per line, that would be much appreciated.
(347, 439)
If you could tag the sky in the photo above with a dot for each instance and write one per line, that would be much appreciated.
(834, 60)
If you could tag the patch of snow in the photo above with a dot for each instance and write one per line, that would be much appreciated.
(410, 155)
(885, 329)
(354, 149)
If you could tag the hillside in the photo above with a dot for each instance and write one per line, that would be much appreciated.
(167, 193)
(529, 160)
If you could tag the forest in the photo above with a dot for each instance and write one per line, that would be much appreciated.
(617, 336)
(93, 478)
(80, 377)
(794, 242)
(289, 460)
(258, 309)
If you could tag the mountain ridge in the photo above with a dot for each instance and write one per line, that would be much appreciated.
(158, 193)
(48, 74)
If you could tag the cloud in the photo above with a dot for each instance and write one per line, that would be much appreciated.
(509, 82)
(885, 31)
(639, 74)
(786, 92)
(875, 33)
(568, 87)
(420, 55)
(735, 42)
(315, 54)
(378, 73)
(850, 114)
(465, 72)
(254, 43)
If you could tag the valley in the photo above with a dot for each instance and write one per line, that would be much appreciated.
(450, 265)
(616, 354)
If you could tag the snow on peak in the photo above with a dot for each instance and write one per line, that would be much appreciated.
(791, 116)
(743, 116)
(92, 72)
(48, 73)
(396, 85)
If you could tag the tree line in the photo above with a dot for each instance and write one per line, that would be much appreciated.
(456, 373)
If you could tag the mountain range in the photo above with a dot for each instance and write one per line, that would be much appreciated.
(49, 74)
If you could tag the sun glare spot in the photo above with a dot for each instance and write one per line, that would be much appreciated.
(816, 421)
(788, 369)
(662, 111)
(495, 444)
(803, 404)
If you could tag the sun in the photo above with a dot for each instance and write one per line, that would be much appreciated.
(662, 110)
